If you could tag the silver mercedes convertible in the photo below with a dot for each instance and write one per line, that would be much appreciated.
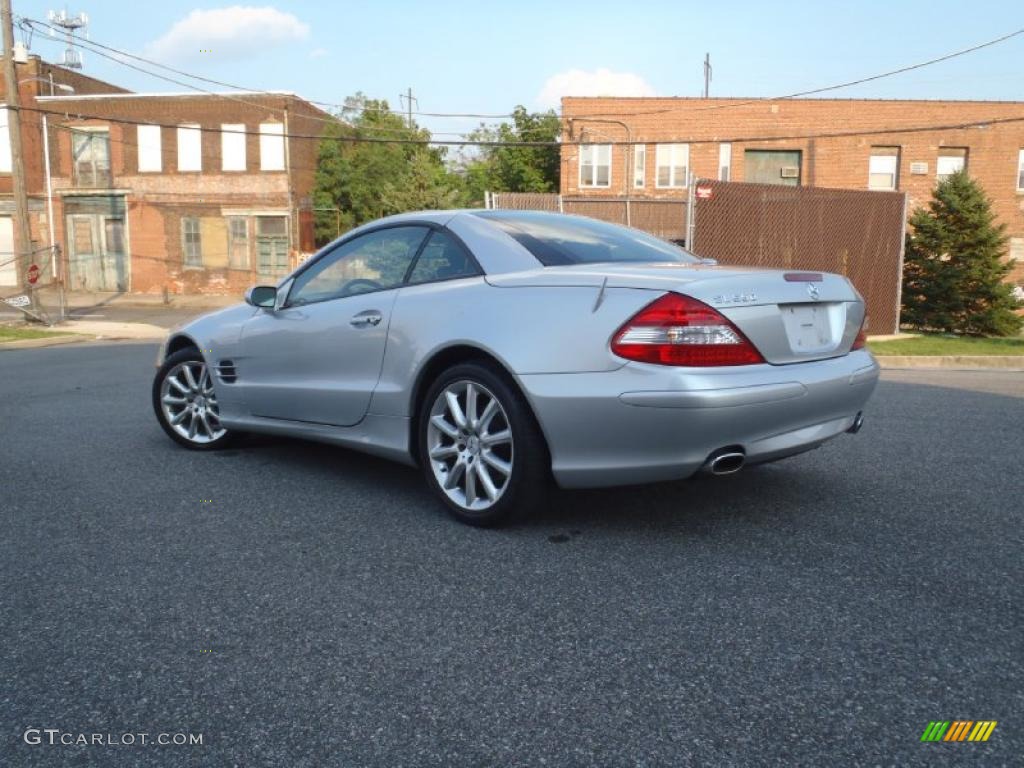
(499, 349)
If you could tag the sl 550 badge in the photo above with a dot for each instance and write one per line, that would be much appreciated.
(736, 298)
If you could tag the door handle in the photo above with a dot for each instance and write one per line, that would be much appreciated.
(369, 319)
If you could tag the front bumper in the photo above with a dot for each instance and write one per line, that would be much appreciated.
(645, 423)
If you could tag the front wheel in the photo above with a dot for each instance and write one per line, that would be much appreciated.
(186, 403)
(481, 449)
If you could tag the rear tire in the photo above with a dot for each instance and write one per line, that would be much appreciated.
(186, 404)
(481, 450)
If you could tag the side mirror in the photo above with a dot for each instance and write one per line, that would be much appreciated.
(264, 296)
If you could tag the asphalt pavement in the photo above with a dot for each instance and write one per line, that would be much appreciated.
(296, 604)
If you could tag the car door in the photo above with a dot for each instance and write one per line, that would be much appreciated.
(317, 358)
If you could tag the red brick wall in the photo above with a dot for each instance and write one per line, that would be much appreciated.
(157, 201)
(826, 162)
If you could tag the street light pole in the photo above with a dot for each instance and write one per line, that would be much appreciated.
(22, 236)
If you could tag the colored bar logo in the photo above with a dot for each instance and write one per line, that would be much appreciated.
(959, 730)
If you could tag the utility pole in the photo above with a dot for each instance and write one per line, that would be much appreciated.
(409, 99)
(707, 75)
(22, 237)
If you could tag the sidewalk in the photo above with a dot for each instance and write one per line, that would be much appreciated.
(124, 316)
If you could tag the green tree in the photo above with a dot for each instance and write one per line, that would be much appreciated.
(514, 168)
(954, 270)
(369, 179)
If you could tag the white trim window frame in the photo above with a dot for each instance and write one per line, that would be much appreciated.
(884, 169)
(272, 147)
(150, 146)
(639, 166)
(6, 166)
(1020, 171)
(724, 161)
(191, 242)
(947, 164)
(673, 163)
(232, 147)
(190, 148)
(595, 165)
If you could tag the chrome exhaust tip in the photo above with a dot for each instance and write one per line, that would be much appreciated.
(725, 462)
(858, 422)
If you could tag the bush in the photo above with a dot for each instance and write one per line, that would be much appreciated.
(954, 270)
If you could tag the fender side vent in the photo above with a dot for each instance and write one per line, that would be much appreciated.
(226, 371)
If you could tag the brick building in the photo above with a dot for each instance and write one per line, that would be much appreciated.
(782, 142)
(162, 192)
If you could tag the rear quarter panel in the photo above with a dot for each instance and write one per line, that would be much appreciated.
(528, 329)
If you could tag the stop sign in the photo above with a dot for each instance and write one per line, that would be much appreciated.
(33, 274)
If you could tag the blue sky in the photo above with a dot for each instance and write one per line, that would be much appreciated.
(480, 57)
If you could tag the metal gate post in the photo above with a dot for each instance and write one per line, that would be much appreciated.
(690, 216)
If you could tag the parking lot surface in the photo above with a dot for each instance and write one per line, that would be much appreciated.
(298, 604)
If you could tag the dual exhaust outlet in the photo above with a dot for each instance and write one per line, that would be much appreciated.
(730, 460)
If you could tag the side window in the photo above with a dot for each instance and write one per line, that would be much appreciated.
(442, 259)
(372, 262)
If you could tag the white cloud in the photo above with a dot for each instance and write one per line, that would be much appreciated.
(317, 53)
(233, 32)
(599, 82)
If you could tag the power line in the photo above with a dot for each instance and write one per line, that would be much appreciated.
(835, 87)
(797, 94)
(332, 119)
(88, 42)
(891, 130)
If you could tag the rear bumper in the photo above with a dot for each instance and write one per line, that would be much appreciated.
(645, 423)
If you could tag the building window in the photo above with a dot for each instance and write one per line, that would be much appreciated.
(772, 166)
(884, 168)
(191, 243)
(91, 153)
(272, 244)
(951, 160)
(724, 161)
(5, 142)
(190, 148)
(673, 160)
(150, 149)
(238, 242)
(271, 147)
(1020, 171)
(232, 147)
(639, 165)
(595, 165)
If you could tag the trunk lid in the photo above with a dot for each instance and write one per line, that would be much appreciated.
(791, 316)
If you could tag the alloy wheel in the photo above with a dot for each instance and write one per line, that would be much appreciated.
(469, 442)
(189, 403)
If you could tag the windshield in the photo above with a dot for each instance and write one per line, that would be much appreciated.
(557, 240)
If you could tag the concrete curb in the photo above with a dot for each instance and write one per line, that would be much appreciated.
(50, 341)
(954, 362)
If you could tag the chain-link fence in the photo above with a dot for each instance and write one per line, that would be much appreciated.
(32, 290)
(855, 233)
(664, 218)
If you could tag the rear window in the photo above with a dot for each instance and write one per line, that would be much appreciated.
(557, 240)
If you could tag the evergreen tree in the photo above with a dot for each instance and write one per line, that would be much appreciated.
(954, 270)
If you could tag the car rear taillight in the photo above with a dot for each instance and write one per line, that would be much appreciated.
(862, 335)
(679, 330)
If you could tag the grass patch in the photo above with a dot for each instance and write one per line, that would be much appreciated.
(948, 345)
(19, 333)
